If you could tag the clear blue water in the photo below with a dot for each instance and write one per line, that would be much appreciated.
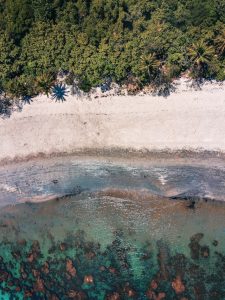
(116, 235)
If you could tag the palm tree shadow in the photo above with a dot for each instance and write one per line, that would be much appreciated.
(8, 106)
(27, 99)
(59, 92)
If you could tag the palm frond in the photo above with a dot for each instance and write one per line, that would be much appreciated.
(220, 42)
(200, 53)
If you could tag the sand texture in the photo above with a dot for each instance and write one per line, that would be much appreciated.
(187, 119)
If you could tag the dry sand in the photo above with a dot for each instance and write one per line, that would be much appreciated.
(188, 119)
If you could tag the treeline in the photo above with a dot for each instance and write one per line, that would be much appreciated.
(96, 41)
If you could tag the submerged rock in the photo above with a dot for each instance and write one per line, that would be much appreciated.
(163, 259)
(161, 296)
(39, 285)
(53, 297)
(112, 270)
(197, 237)
(70, 268)
(113, 296)
(129, 291)
(153, 284)
(35, 273)
(62, 246)
(31, 257)
(76, 295)
(22, 242)
(36, 247)
(102, 268)
(28, 294)
(178, 285)
(16, 254)
(88, 279)
(4, 275)
(72, 294)
(18, 289)
(90, 255)
(205, 252)
(195, 246)
(215, 243)
(45, 268)
(200, 292)
(152, 295)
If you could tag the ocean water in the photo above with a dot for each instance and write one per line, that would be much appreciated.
(115, 234)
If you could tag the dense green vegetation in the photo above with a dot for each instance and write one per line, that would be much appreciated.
(96, 41)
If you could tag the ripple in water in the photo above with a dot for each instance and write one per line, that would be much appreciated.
(112, 244)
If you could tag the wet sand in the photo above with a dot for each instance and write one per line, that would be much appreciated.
(43, 179)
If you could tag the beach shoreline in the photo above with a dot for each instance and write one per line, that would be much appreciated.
(188, 123)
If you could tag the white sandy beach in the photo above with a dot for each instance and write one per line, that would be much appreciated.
(187, 119)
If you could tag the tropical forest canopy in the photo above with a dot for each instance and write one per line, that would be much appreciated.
(94, 41)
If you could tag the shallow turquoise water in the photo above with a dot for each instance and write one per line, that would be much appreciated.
(113, 239)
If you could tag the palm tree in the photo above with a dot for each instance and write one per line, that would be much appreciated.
(150, 63)
(44, 83)
(200, 56)
(200, 53)
(220, 43)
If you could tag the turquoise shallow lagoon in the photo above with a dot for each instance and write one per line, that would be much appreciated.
(118, 235)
